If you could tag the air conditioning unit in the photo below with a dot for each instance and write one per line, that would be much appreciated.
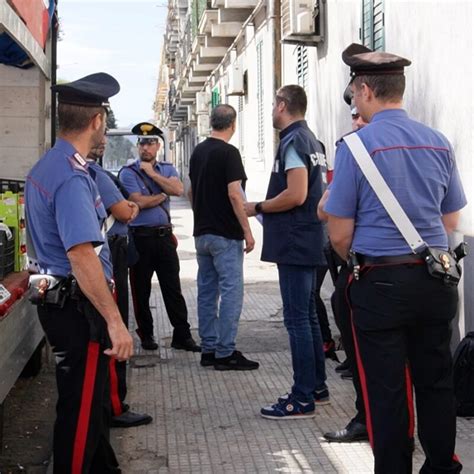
(203, 125)
(297, 17)
(192, 113)
(235, 75)
(202, 102)
(302, 21)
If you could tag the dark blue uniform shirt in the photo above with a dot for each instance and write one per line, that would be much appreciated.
(418, 165)
(141, 183)
(64, 209)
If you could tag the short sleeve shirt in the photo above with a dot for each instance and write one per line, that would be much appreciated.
(418, 165)
(136, 181)
(64, 209)
(213, 165)
(110, 195)
(292, 159)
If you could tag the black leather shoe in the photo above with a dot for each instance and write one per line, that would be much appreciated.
(236, 361)
(346, 374)
(128, 419)
(353, 432)
(343, 366)
(149, 343)
(208, 359)
(187, 345)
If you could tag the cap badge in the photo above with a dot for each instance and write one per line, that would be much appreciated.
(146, 128)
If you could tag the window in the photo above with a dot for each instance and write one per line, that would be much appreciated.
(260, 111)
(372, 32)
(302, 65)
(215, 97)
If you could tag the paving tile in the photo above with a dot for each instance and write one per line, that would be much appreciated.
(208, 422)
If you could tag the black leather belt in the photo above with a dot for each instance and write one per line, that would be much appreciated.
(157, 231)
(389, 259)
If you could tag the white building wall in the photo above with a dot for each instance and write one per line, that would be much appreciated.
(328, 115)
(437, 37)
(257, 169)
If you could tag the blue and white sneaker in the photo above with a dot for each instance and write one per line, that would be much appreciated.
(287, 407)
(321, 397)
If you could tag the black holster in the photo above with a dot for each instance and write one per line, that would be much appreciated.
(56, 293)
(444, 264)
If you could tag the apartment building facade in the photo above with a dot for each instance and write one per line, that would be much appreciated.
(240, 51)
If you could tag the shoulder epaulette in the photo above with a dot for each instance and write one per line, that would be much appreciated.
(78, 163)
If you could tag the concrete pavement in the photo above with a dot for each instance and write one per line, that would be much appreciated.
(207, 421)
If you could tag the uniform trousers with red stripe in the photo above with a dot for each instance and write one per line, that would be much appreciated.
(402, 330)
(78, 336)
(342, 316)
(118, 370)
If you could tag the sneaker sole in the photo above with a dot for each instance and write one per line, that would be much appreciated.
(289, 417)
(322, 403)
(225, 367)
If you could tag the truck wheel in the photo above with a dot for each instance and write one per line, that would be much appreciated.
(33, 366)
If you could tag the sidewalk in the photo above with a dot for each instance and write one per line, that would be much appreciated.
(207, 421)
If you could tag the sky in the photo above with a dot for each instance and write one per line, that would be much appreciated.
(122, 38)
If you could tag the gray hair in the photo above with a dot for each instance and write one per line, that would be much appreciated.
(222, 117)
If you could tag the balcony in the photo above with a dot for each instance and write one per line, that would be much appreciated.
(208, 18)
(204, 67)
(196, 78)
(249, 4)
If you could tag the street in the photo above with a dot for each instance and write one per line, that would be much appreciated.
(208, 421)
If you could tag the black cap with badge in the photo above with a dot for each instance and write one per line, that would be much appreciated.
(147, 133)
(93, 90)
(365, 62)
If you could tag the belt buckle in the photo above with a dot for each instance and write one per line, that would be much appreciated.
(161, 231)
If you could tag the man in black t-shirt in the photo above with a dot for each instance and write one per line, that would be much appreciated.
(220, 225)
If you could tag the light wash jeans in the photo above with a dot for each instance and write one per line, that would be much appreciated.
(220, 274)
(297, 287)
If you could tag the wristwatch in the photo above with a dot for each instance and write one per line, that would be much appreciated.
(258, 208)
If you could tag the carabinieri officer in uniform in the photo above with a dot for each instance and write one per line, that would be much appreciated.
(121, 212)
(79, 316)
(150, 183)
(401, 314)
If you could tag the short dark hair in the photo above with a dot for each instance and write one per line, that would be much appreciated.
(76, 118)
(295, 98)
(222, 117)
(386, 87)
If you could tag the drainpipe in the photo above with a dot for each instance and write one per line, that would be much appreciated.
(274, 21)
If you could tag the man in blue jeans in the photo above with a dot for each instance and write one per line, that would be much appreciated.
(293, 238)
(220, 225)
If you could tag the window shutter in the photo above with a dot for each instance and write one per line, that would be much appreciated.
(373, 24)
(302, 65)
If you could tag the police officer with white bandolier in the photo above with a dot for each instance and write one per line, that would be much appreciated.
(150, 183)
(76, 306)
(121, 212)
(293, 238)
(402, 305)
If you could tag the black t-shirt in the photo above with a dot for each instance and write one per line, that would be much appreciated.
(213, 165)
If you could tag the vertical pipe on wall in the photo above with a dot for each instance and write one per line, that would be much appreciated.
(274, 23)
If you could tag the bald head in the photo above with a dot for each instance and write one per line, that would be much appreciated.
(223, 117)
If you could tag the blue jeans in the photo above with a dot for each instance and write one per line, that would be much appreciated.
(297, 287)
(220, 274)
